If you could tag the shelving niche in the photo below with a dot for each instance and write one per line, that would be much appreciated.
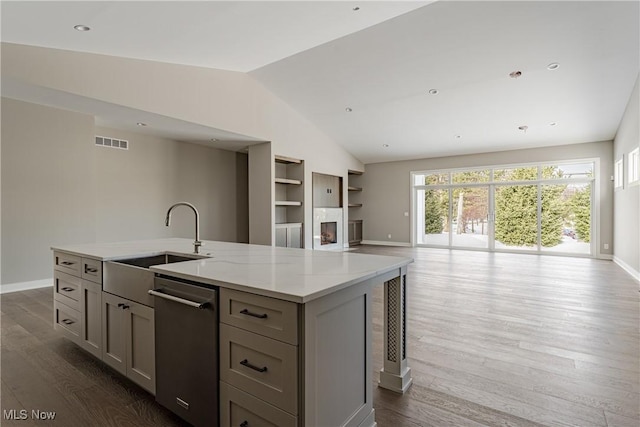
(289, 197)
(355, 203)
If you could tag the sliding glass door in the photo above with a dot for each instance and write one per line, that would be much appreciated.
(470, 227)
(539, 208)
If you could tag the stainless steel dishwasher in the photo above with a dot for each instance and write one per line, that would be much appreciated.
(186, 332)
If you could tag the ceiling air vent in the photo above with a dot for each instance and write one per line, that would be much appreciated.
(105, 141)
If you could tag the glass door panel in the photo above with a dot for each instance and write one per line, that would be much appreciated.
(566, 218)
(433, 217)
(470, 226)
(516, 217)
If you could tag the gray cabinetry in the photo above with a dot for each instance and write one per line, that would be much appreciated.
(128, 340)
(259, 358)
(91, 318)
(77, 293)
(289, 235)
(355, 232)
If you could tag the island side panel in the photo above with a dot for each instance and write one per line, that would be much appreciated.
(337, 349)
(395, 374)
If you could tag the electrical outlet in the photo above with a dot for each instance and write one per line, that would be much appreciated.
(388, 236)
(406, 214)
(606, 246)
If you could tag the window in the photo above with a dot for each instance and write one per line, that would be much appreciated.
(540, 208)
(618, 174)
(634, 175)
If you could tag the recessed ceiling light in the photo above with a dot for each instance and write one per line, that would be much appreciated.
(515, 74)
(348, 109)
(141, 124)
(214, 139)
(433, 91)
(552, 124)
(82, 28)
(553, 66)
(385, 145)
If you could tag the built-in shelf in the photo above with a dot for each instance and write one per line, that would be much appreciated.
(288, 181)
(288, 200)
(355, 199)
(288, 203)
(287, 160)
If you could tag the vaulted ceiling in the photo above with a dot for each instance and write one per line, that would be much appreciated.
(365, 72)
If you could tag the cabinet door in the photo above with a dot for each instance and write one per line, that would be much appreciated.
(91, 318)
(294, 236)
(352, 231)
(114, 350)
(358, 231)
(140, 329)
(281, 236)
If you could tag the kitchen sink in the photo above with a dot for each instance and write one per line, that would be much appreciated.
(148, 261)
(131, 278)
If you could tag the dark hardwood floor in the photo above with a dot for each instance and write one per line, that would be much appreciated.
(493, 339)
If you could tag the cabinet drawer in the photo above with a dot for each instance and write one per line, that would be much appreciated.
(261, 366)
(66, 289)
(238, 408)
(67, 263)
(266, 316)
(66, 320)
(92, 270)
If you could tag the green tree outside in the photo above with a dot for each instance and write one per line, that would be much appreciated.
(433, 213)
(517, 209)
(580, 204)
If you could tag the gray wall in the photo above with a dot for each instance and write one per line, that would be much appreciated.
(626, 202)
(387, 192)
(59, 188)
(47, 186)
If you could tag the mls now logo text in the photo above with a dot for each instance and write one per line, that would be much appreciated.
(23, 414)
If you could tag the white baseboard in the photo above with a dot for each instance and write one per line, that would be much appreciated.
(626, 267)
(385, 243)
(23, 286)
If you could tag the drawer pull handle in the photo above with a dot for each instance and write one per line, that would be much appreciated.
(67, 263)
(123, 306)
(248, 313)
(68, 289)
(244, 424)
(88, 269)
(246, 363)
(68, 321)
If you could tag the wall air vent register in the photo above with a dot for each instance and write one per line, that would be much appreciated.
(105, 141)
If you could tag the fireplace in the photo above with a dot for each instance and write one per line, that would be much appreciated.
(327, 228)
(328, 233)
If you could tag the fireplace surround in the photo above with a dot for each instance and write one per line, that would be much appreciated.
(327, 228)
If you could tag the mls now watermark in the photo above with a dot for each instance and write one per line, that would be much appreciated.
(23, 414)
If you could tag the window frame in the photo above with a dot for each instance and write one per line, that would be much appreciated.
(618, 174)
(633, 167)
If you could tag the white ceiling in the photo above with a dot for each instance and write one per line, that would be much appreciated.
(381, 61)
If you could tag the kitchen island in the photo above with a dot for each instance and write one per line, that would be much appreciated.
(323, 345)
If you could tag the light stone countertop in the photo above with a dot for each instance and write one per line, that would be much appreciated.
(298, 275)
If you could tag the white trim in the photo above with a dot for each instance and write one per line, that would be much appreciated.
(626, 267)
(24, 286)
(385, 243)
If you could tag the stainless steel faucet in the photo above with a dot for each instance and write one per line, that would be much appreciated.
(197, 243)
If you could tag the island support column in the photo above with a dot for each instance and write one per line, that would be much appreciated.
(395, 374)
